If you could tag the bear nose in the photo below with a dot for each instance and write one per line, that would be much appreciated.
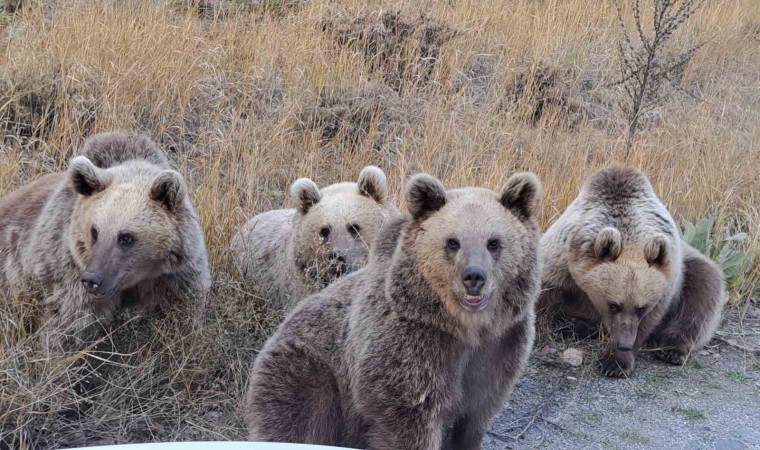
(624, 348)
(474, 279)
(91, 281)
(337, 257)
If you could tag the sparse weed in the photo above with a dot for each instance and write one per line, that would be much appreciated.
(735, 264)
(689, 413)
(737, 376)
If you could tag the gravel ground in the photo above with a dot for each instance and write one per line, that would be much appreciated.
(712, 402)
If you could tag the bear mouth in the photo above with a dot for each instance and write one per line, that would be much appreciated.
(474, 302)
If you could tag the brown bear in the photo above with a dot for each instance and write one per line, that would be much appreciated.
(118, 228)
(289, 254)
(617, 257)
(420, 348)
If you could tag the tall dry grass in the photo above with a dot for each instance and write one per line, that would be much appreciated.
(247, 96)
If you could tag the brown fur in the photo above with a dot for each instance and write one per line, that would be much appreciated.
(402, 354)
(617, 257)
(125, 221)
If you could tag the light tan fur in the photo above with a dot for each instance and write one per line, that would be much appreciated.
(125, 222)
(617, 257)
(288, 255)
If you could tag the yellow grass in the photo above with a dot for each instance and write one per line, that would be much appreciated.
(228, 93)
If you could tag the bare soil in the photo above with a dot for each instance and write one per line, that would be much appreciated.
(712, 402)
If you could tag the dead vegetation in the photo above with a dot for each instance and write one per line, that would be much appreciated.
(247, 100)
(400, 49)
(352, 119)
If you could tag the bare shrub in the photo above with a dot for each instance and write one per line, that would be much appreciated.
(31, 106)
(400, 49)
(354, 118)
(539, 93)
(646, 62)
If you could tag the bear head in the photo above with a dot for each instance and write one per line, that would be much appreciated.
(335, 226)
(476, 249)
(124, 228)
(623, 279)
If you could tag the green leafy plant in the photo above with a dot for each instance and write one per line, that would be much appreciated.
(734, 263)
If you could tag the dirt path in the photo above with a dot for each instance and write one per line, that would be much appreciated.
(713, 402)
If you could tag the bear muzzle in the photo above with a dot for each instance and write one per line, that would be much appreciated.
(92, 281)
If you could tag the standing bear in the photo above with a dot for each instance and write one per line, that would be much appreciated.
(118, 228)
(617, 256)
(419, 349)
(289, 254)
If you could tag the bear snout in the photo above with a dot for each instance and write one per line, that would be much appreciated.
(474, 278)
(338, 263)
(93, 282)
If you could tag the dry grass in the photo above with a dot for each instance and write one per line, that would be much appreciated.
(247, 96)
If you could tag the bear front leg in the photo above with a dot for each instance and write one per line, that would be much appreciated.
(489, 377)
(413, 430)
(695, 312)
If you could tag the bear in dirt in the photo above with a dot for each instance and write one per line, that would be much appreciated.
(617, 257)
(289, 254)
(117, 228)
(420, 348)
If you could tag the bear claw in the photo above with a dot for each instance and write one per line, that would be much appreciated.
(672, 356)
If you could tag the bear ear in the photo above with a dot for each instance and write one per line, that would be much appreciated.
(424, 195)
(373, 184)
(657, 251)
(168, 189)
(523, 195)
(86, 178)
(608, 244)
(305, 193)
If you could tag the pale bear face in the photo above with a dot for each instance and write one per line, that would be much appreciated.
(335, 226)
(472, 245)
(124, 229)
(623, 280)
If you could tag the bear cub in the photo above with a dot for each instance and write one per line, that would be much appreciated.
(420, 348)
(118, 228)
(617, 257)
(290, 254)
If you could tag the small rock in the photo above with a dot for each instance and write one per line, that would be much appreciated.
(572, 356)
(703, 353)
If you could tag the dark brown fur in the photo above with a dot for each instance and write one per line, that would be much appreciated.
(389, 357)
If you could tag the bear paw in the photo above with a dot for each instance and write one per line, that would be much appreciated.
(619, 365)
(671, 356)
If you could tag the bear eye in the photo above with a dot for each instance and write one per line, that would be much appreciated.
(493, 244)
(324, 232)
(94, 234)
(126, 239)
(640, 311)
(452, 244)
(614, 308)
(354, 229)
